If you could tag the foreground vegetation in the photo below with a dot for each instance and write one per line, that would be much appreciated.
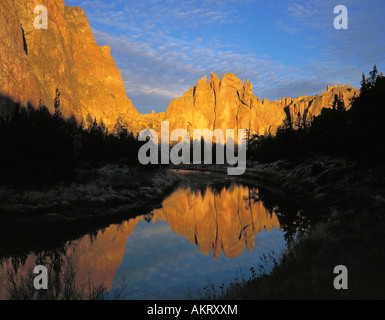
(335, 167)
(39, 148)
(97, 197)
(63, 284)
(343, 203)
(357, 133)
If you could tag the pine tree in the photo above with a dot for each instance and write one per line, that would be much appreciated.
(89, 120)
(57, 113)
(364, 84)
(373, 76)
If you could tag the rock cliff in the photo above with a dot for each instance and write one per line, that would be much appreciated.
(230, 104)
(34, 62)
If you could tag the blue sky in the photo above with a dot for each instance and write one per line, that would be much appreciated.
(285, 48)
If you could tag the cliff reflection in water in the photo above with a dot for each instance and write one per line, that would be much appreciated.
(225, 220)
(95, 259)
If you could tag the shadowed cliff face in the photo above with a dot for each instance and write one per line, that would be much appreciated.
(33, 63)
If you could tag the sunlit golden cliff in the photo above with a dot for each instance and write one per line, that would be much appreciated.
(230, 104)
(34, 63)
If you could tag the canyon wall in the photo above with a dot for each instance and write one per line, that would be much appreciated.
(230, 104)
(36, 62)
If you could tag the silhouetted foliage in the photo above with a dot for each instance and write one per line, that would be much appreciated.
(357, 133)
(38, 147)
(368, 116)
(57, 113)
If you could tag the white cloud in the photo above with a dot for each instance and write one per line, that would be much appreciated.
(162, 47)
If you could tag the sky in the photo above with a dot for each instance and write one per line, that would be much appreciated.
(285, 48)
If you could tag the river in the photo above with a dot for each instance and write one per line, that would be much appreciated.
(199, 236)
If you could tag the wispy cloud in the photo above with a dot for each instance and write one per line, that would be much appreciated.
(162, 47)
(344, 52)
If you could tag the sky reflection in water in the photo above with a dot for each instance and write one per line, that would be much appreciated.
(196, 238)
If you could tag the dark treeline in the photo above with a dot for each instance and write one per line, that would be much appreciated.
(38, 147)
(357, 133)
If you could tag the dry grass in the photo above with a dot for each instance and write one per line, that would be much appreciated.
(62, 285)
(349, 230)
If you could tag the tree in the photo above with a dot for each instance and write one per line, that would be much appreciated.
(369, 83)
(89, 120)
(364, 84)
(102, 127)
(373, 76)
(57, 113)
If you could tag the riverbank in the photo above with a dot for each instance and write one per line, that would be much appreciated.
(344, 203)
(96, 198)
(342, 220)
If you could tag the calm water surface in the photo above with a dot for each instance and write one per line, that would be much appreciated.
(196, 238)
